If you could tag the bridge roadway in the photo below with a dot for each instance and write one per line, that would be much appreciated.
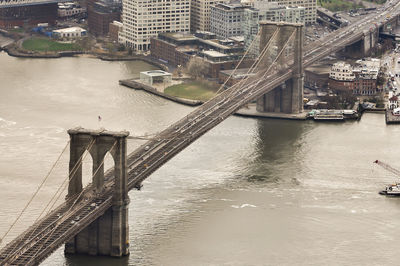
(45, 236)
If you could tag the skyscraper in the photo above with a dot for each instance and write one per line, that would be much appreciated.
(310, 6)
(200, 14)
(144, 19)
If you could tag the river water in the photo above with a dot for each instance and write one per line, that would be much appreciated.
(249, 192)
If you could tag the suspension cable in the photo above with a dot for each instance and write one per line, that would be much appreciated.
(71, 173)
(58, 192)
(66, 216)
(238, 64)
(255, 64)
(35, 193)
(276, 58)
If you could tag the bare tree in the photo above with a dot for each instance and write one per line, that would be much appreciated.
(197, 68)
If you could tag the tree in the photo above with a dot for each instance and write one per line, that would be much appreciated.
(197, 68)
(86, 43)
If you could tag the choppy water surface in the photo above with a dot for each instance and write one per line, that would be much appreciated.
(249, 192)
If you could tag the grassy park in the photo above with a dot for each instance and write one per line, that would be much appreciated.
(42, 45)
(195, 90)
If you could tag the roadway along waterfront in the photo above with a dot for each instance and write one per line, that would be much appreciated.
(248, 192)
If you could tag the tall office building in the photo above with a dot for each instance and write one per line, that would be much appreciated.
(309, 5)
(270, 12)
(226, 19)
(144, 19)
(200, 14)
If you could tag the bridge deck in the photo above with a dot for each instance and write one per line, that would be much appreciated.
(41, 239)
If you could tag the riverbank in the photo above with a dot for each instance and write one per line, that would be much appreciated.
(13, 50)
(137, 85)
(251, 111)
(14, 47)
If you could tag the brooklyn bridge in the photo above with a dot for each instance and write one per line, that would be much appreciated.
(93, 219)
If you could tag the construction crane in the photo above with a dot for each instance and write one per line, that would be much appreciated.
(394, 189)
(388, 167)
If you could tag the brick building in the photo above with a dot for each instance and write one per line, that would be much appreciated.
(177, 49)
(360, 79)
(26, 13)
(174, 48)
(114, 28)
(101, 14)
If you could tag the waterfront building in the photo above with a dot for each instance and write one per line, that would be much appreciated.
(178, 49)
(342, 71)
(144, 19)
(69, 33)
(27, 12)
(155, 76)
(200, 14)
(360, 79)
(226, 19)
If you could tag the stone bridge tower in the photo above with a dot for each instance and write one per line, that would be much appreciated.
(109, 234)
(288, 97)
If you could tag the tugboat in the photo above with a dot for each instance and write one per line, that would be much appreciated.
(393, 189)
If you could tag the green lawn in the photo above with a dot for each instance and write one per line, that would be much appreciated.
(192, 90)
(41, 44)
(339, 5)
(377, 1)
(17, 30)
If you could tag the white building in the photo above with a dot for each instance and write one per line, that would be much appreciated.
(342, 71)
(226, 19)
(144, 19)
(310, 6)
(270, 12)
(368, 68)
(69, 33)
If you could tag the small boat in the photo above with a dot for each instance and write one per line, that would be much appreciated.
(391, 190)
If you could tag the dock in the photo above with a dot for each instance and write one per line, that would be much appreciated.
(391, 118)
(137, 85)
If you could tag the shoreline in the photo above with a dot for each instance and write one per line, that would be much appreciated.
(130, 83)
(11, 51)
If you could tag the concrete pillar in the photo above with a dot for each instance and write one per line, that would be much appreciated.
(109, 234)
(277, 100)
(260, 104)
(285, 32)
(267, 31)
(78, 146)
(120, 234)
(286, 101)
(298, 72)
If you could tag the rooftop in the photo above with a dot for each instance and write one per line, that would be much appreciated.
(156, 73)
(214, 53)
(232, 6)
(67, 30)
(179, 36)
